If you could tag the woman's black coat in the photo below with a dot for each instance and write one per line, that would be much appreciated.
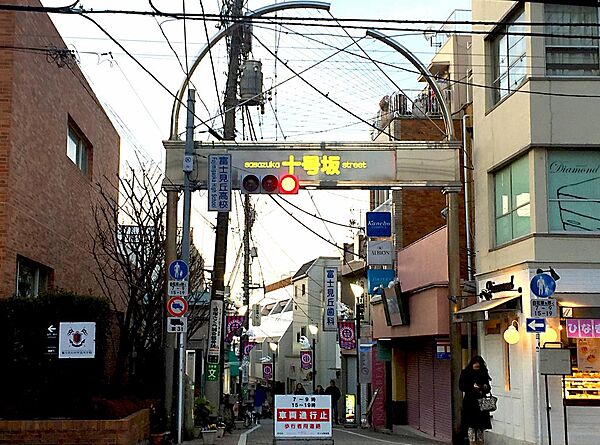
(472, 417)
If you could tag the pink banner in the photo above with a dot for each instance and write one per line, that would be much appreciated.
(233, 323)
(306, 359)
(583, 328)
(347, 337)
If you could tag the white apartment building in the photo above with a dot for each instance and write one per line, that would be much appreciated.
(536, 153)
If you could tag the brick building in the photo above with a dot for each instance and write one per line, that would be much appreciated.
(56, 145)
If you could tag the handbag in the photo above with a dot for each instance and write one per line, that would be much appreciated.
(488, 403)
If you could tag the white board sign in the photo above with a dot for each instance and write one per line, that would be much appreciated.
(177, 288)
(215, 331)
(219, 183)
(380, 253)
(303, 417)
(330, 294)
(555, 361)
(544, 308)
(176, 324)
(77, 340)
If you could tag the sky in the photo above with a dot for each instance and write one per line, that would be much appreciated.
(296, 110)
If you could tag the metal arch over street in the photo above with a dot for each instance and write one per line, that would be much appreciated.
(424, 72)
(174, 132)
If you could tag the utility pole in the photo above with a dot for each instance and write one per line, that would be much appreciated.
(248, 220)
(214, 389)
(454, 289)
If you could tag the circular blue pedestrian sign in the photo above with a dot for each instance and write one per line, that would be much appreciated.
(178, 270)
(542, 285)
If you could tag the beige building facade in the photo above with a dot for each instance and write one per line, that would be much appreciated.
(537, 205)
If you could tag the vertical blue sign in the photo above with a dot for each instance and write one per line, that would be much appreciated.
(379, 224)
(219, 183)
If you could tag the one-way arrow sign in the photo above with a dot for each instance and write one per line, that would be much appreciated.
(51, 329)
(536, 325)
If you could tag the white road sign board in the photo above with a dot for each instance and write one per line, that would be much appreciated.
(544, 308)
(178, 288)
(303, 416)
(176, 324)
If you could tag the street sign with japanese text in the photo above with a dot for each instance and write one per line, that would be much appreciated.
(302, 416)
(544, 308)
(215, 332)
(219, 182)
(330, 291)
(212, 372)
(177, 288)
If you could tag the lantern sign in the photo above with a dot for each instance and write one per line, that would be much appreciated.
(248, 346)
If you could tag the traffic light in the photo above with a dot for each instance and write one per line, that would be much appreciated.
(270, 184)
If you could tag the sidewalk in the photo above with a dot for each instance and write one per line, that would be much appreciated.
(228, 439)
(263, 435)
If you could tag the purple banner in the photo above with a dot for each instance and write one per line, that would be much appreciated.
(306, 361)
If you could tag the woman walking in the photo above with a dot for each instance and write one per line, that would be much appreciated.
(300, 389)
(475, 383)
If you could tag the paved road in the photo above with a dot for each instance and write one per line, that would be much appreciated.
(263, 435)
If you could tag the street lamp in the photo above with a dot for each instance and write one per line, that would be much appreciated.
(273, 346)
(314, 330)
(358, 292)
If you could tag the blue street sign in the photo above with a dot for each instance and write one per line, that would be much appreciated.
(178, 270)
(536, 325)
(379, 224)
(542, 285)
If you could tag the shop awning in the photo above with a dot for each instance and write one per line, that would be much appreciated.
(489, 309)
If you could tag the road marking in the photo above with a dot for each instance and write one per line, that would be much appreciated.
(242, 439)
(368, 437)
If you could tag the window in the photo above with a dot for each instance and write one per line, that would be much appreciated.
(573, 179)
(78, 148)
(32, 277)
(512, 201)
(577, 54)
(509, 54)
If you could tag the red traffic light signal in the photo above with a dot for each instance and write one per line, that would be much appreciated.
(289, 185)
(250, 184)
(270, 184)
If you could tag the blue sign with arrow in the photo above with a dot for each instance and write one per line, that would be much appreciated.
(536, 325)
(178, 270)
(542, 285)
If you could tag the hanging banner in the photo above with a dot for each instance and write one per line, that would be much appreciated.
(233, 323)
(306, 361)
(347, 338)
(365, 363)
(248, 346)
(268, 371)
(330, 293)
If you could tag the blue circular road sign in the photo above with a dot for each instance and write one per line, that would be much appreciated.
(542, 285)
(178, 270)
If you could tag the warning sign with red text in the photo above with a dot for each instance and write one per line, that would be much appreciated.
(302, 416)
